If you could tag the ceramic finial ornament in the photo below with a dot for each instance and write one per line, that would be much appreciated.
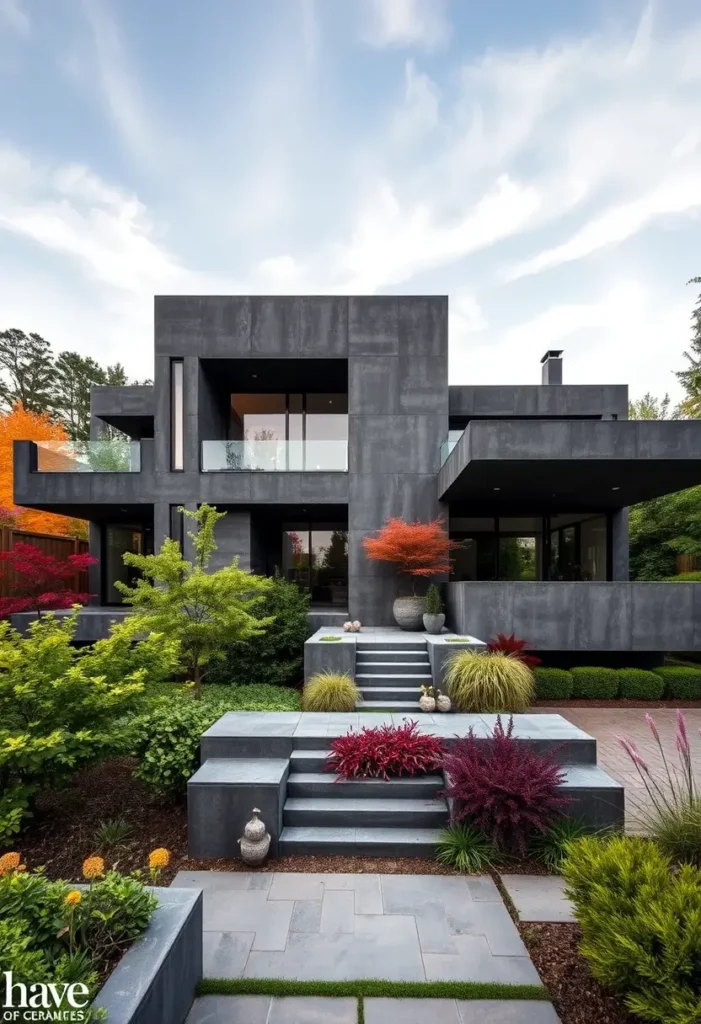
(255, 842)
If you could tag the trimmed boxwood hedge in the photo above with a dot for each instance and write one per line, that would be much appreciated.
(638, 684)
(552, 684)
(595, 683)
(681, 682)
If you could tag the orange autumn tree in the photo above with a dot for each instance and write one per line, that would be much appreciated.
(416, 549)
(21, 425)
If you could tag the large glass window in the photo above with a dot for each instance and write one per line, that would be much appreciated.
(317, 561)
(117, 541)
(557, 547)
(177, 440)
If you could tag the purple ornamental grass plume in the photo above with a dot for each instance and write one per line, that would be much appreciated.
(681, 791)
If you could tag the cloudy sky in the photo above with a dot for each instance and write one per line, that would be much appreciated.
(537, 160)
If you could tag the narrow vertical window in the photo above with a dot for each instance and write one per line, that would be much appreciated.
(177, 439)
(177, 526)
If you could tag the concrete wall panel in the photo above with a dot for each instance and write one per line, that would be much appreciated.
(324, 326)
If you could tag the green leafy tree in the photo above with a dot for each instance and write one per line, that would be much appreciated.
(26, 371)
(690, 377)
(277, 656)
(649, 408)
(61, 707)
(203, 611)
(662, 528)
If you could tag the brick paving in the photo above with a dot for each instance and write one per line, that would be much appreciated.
(605, 724)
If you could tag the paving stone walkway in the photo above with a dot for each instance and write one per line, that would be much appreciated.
(539, 897)
(606, 724)
(317, 1010)
(344, 927)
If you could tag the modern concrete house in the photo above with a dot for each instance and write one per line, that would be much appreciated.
(311, 420)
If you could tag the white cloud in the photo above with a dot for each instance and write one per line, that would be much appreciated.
(404, 23)
(419, 114)
(13, 15)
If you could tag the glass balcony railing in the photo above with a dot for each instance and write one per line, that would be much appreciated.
(107, 456)
(446, 449)
(275, 456)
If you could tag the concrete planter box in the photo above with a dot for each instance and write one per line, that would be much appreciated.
(155, 981)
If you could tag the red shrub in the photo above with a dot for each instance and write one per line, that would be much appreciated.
(384, 752)
(41, 582)
(514, 648)
(505, 789)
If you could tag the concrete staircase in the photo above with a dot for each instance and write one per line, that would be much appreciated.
(389, 675)
(372, 817)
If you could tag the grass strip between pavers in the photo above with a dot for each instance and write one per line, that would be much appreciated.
(371, 988)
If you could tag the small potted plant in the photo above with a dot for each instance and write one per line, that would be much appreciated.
(433, 617)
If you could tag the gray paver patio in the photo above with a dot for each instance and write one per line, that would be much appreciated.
(324, 927)
(539, 898)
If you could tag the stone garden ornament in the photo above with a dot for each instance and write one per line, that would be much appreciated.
(255, 842)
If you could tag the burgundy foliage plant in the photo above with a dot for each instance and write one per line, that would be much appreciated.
(514, 648)
(385, 752)
(41, 582)
(506, 790)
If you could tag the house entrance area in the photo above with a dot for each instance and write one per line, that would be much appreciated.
(315, 557)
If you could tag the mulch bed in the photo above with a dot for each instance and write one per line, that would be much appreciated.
(620, 704)
(578, 998)
(62, 834)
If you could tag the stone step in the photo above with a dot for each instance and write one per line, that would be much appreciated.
(391, 679)
(392, 645)
(324, 784)
(389, 668)
(371, 842)
(332, 812)
(397, 707)
(391, 657)
(399, 692)
(309, 761)
(597, 800)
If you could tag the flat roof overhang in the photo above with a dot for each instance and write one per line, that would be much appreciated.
(583, 465)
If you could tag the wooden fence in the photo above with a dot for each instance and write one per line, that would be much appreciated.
(51, 544)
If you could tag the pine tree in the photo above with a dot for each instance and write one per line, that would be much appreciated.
(690, 378)
(28, 375)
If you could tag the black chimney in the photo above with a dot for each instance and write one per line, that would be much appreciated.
(552, 366)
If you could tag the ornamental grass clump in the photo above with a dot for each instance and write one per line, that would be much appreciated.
(673, 818)
(641, 925)
(493, 681)
(330, 691)
(465, 848)
(503, 788)
(384, 752)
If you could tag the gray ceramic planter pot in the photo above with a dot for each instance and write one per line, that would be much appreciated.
(408, 613)
(433, 623)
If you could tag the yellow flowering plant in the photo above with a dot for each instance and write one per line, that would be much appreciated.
(157, 860)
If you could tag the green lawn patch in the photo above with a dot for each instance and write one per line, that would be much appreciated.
(330, 639)
(371, 988)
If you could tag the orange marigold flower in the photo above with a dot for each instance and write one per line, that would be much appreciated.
(93, 867)
(158, 859)
(73, 898)
(9, 862)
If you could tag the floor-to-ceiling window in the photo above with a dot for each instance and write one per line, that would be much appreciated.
(554, 547)
(317, 560)
(117, 540)
(292, 431)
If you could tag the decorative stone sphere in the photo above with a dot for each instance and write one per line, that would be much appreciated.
(427, 703)
(356, 626)
(255, 842)
(443, 703)
(348, 627)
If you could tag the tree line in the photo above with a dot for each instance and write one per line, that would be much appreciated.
(57, 385)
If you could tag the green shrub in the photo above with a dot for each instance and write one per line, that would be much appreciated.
(432, 601)
(276, 657)
(552, 683)
(43, 938)
(488, 682)
(680, 682)
(685, 577)
(641, 925)
(637, 684)
(328, 691)
(550, 847)
(166, 740)
(677, 831)
(594, 683)
(465, 848)
(61, 708)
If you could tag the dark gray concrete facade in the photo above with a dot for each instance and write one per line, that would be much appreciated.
(524, 450)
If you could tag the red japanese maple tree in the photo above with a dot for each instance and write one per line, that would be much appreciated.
(41, 582)
(417, 549)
